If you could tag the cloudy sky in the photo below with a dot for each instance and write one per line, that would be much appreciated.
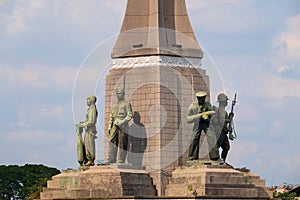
(45, 44)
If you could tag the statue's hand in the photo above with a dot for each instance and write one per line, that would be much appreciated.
(205, 116)
(118, 122)
(78, 125)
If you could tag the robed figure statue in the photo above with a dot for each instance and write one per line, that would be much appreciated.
(86, 147)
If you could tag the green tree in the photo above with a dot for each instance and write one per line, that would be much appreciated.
(24, 182)
(285, 195)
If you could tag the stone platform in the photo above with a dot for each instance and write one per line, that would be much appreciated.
(216, 181)
(194, 181)
(99, 182)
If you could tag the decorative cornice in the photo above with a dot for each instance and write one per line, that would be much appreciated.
(155, 61)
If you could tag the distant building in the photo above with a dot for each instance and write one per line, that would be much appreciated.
(295, 190)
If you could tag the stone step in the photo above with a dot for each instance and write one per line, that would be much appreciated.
(231, 192)
(224, 174)
(213, 192)
(198, 186)
(50, 193)
(264, 192)
(227, 180)
(183, 191)
(178, 174)
(213, 180)
(69, 182)
(138, 192)
(245, 185)
(117, 180)
(180, 180)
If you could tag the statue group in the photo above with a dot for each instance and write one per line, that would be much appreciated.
(213, 121)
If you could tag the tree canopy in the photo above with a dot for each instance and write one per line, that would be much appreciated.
(24, 182)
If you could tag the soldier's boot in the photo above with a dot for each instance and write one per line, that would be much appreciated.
(122, 156)
(112, 153)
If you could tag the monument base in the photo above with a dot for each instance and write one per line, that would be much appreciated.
(216, 181)
(99, 182)
(194, 181)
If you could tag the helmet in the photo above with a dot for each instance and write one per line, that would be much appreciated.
(222, 97)
(201, 94)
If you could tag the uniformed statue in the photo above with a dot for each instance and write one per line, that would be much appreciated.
(220, 127)
(121, 114)
(86, 149)
(198, 113)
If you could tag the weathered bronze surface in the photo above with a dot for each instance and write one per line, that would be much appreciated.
(86, 148)
(121, 114)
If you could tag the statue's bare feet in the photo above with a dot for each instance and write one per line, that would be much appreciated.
(89, 163)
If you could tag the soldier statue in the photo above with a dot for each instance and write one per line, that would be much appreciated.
(86, 149)
(221, 127)
(121, 114)
(199, 113)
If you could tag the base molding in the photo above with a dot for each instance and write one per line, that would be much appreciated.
(196, 181)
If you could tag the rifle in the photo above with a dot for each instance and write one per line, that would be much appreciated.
(232, 133)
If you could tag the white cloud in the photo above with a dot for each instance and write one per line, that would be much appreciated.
(38, 77)
(33, 136)
(242, 149)
(52, 111)
(39, 146)
(85, 15)
(79, 17)
(194, 4)
(44, 115)
(224, 17)
(117, 5)
(275, 87)
(23, 124)
(22, 14)
(287, 43)
(284, 68)
(276, 128)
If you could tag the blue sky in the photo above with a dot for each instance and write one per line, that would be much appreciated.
(254, 43)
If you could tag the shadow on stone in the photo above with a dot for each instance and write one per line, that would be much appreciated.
(137, 141)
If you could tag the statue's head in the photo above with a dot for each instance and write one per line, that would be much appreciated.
(223, 99)
(201, 97)
(120, 93)
(91, 100)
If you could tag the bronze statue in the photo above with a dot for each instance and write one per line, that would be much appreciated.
(121, 114)
(221, 126)
(86, 149)
(198, 113)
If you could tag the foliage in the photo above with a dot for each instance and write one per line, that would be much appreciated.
(285, 195)
(190, 188)
(24, 182)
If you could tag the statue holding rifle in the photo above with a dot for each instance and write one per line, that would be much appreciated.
(198, 113)
(86, 148)
(222, 128)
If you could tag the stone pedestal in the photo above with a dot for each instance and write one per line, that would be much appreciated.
(216, 181)
(160, 89)
(99, 182)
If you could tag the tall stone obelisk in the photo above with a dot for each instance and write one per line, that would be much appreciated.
(157, 60)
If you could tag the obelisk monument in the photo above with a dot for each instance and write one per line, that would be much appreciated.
(157, 61)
